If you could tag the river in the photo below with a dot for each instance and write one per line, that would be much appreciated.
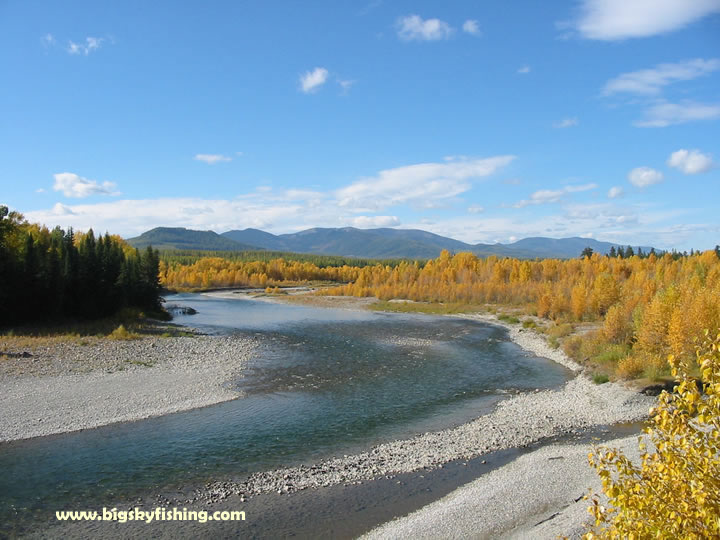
(324, 382)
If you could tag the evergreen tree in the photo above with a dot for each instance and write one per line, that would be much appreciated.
(56, 274)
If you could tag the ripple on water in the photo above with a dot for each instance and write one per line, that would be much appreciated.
(324, 382)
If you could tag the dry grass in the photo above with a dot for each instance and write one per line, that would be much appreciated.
(631, 367)
(33, 342)
(121, 333)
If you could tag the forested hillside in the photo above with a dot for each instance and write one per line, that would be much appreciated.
(181, 238)
(50, 275)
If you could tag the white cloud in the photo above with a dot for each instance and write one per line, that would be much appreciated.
(690, 161)
(545, 196)
(212, 159)
(311, 81)
(423, 183)
(566, 123)
(370, 222)
(132, 217)
(48, 40)
(302, 195)
(651, 81)
(667, 114)
(523, 70)
(345, 85)
(60, 209)
(622, 19)
(625, 224)
(76, 186)
(413, 27)
(91, 44)
(635, 224)
(471, 27)
(476, 209)
(644, 176)
(615, 192)
(40, 190)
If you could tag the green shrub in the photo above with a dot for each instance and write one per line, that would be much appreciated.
(655, 372)
(612, 354)
(600, 378)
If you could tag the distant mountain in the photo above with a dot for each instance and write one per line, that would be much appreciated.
(365, 243)
(563, 248)
(181, 238)
(410, 243)
(351, 242)
(256, 237)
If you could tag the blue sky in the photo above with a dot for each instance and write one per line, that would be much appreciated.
(485, 122)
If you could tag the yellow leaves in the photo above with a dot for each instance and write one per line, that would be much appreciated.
(648, 307)
(675, 492)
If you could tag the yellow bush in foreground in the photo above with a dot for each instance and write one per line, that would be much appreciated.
(675, 492)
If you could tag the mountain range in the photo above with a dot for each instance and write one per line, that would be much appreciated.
(363, 243)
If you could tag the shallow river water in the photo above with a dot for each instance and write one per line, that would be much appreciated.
(322, 382)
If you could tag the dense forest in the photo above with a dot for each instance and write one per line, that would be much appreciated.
(642, 308)
(191, 256)
(52, 275)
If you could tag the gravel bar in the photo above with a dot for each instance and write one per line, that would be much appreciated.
(539, 495)
(70, 386)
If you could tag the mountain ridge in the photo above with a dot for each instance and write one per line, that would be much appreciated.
(381, 243)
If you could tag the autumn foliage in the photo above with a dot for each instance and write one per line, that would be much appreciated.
(645, 308)
(217, 272)
(675, 491)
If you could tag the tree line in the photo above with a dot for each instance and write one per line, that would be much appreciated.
(644, 307)
(48, 275)
(191, 256)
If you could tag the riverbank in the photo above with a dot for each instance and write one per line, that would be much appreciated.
(121, 372)
(516, 422)
(538, 495)
(69, 386)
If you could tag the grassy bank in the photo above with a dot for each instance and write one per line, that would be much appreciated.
(125, 325)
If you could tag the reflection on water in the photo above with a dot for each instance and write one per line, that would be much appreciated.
(324, 381)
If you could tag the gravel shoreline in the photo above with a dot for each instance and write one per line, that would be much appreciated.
(539, 495)
(137, 379)
(70, 386)
(516, 422)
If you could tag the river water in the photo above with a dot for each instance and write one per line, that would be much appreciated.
(323, 382)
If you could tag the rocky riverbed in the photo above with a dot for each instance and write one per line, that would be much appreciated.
(516, 422)
(71, 386)
(68, 386)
